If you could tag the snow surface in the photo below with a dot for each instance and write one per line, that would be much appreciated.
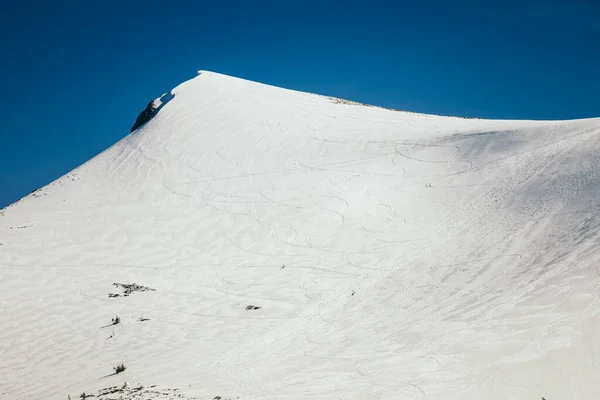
(392, 255)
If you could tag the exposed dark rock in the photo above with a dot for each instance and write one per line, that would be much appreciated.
(145, 115)
(151, 109)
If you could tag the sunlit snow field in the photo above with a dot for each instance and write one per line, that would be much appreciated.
(388, 255)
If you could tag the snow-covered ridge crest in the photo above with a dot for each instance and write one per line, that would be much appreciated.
(255, 242)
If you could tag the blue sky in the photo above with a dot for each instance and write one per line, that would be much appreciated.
(75, 74)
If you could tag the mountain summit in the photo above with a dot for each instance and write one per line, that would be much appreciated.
(254, 242)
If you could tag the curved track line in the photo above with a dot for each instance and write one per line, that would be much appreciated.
(458, 222)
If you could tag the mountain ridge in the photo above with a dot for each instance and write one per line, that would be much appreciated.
(259, 242)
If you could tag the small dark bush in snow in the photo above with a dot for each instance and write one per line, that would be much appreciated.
(119, 368)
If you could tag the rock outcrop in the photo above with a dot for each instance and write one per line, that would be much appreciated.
(151, 110)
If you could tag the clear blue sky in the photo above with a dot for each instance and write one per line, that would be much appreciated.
(75, 74)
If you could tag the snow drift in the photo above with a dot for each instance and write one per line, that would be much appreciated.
(258, 243)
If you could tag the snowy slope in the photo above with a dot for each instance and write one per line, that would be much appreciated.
(393, 256)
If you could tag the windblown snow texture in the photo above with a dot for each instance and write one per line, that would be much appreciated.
(284, 245)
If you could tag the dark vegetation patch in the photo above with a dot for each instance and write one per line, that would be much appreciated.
(119, 368)
(114, 321)
(129, 288)
(20, 227)
(139, 392)
(38, 193)
(337, 100)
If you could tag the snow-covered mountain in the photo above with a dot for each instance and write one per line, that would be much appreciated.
(286, 245)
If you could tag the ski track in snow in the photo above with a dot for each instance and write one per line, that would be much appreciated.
(391, 255)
